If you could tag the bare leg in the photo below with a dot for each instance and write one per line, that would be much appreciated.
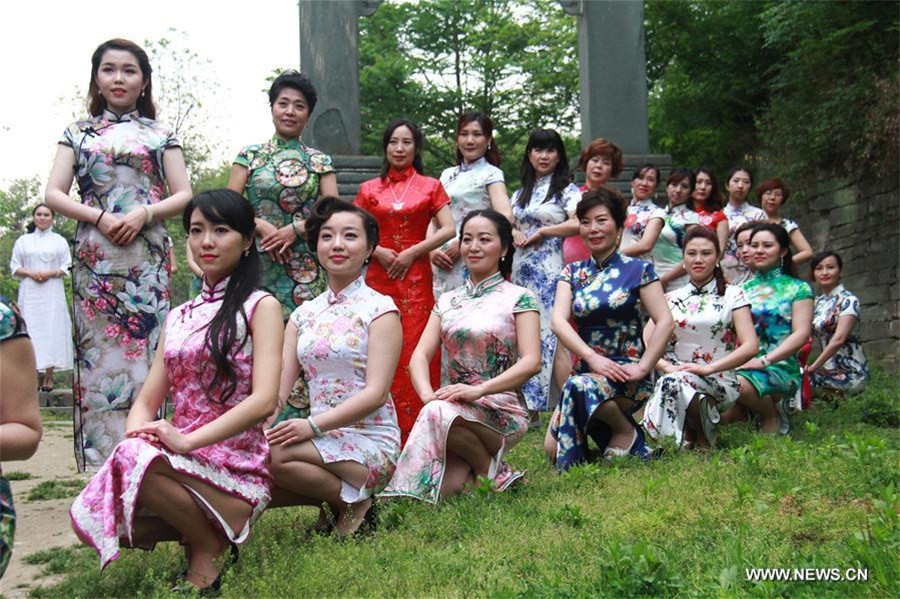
(550, 444)
(48, 377)
(457, 474)
(468, 446)
(162, 492)
(622, 430)
(562, 366)
(764, 406)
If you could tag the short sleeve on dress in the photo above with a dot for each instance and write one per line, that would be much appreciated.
(804, 291)
(495, 175)
(718, 217)
(245, 156)
(689, 217)
(170, 138)
(362, 196)
(789, 225)
(648, 275)
(296, 318)
(68, 136)
(849, 306)
(527, 302)
(571, 197)
(439, 197)
(735, 298)
(566, 275)
(659, 213)
(320, 162)
(383, 306)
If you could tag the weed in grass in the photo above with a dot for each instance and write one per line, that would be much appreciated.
(877, 545)
(18, 475)
(570, 516)
(55, 489)
(59, 560)
(484, 487)
(638, 570)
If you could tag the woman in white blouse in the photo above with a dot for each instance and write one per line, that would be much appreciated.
(41, 258)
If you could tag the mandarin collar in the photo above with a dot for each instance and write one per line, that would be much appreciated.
(838, 289)
(644, 202)
(292, 143)
(611, 259)
(45, 233)
(463, 167)
(704, 289)
(395, 175)
(347, 292)
(473, 290)
(213, 293)
(773, 272)
(109, 115)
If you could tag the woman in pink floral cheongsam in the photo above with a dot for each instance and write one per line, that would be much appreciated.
(203, 478)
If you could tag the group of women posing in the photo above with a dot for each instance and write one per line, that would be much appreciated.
(370, 293)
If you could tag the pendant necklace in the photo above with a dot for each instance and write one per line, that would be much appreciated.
(398, 202)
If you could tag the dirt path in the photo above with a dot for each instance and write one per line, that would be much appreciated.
(40, 524)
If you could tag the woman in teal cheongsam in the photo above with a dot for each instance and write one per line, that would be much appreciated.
(782, 308)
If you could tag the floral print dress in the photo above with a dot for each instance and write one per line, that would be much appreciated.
(537, 268)
(772, 295)
(640, 213)
(704, 332)
(121, 294)
(478, 328)
(105, 509)
(669, 249)
(12, 326)
(732, 266)
(283, 184)
(607, 307)
(333, 348)
(847, 370)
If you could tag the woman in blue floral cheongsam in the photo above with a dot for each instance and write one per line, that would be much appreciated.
(606, 294)
(842, 365)
(782, 313)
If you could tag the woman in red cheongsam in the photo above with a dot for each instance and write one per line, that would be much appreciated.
(404, 201)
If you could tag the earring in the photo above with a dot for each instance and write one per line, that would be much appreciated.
(367, 260)
(247, 252)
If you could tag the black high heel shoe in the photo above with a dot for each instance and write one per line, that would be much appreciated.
(183, 585)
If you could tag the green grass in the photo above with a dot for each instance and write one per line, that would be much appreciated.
(56, 489)
(17, 475)
(686, 525)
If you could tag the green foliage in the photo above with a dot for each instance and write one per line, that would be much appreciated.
(800, 89)
(18, 475)
(55, 489)
(432, 61)
(686, 525)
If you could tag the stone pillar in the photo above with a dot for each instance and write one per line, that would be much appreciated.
(612, 71)
(329, 55)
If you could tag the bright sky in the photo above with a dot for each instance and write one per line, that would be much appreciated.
(46, 48)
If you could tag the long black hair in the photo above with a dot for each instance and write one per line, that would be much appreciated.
(97, 103)
(492, 153)
(504, 232)
(224, 206)
(714, 200)
(709, 235)
(543, 139)
(30, 227)
(418, 140)
(783, 240)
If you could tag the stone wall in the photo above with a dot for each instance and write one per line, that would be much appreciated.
(861, 222)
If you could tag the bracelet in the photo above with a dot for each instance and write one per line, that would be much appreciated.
(97, 222)
(294, 227)
(765, 361)
(149, 213)
(315, 427)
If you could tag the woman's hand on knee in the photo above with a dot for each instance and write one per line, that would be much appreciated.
(459, 392)
(162, 431)
(287, 432)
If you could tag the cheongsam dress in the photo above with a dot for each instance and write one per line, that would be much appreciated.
(732, 266)
(669, 249)
(12, 326)
(121, 293)
(282, 185)
(639, 215)
(333, 348)
(105, 509)
(607, 307)
(404, 204)
(478, 328)
(847, 370)
(537, 268)
(704, 332)
(772, 295)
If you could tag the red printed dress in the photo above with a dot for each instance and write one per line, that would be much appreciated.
(105, 509)
(404, 203)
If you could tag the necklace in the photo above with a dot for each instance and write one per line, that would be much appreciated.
(398, 202)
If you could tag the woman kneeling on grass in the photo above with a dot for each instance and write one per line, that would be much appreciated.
(348, 342)
(203, 478)
(713, 335)
(607, 295)
(491, 329)
(782, 308)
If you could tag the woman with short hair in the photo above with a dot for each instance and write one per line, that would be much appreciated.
(773, 194)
